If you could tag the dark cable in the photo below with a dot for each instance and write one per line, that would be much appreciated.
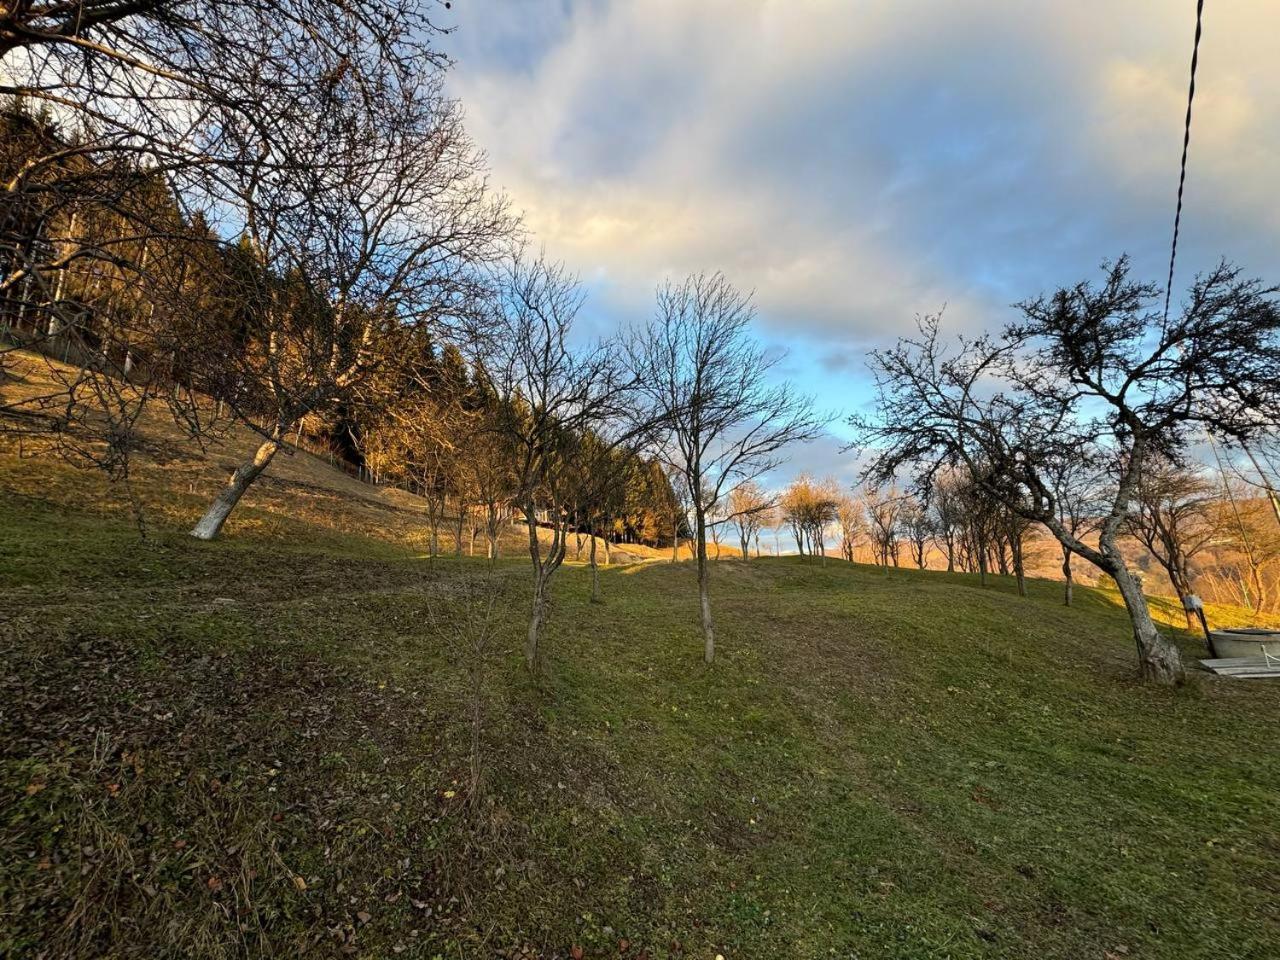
(1186, 143)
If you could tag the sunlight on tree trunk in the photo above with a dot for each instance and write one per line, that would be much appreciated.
(595, 573)
(1158, 658)
(210, 524)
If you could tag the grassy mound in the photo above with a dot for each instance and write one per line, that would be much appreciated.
(262, 746)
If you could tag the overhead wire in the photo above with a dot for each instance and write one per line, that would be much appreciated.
(1267, 484)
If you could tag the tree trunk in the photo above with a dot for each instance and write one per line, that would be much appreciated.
(537, 612)
(746, 549)
(435, 511)
(595, 573)
(457, 542)
(1182, 587)
(492, 521)
(704, 595)
(1158, 659)
(1019, 571)
(532, 645)
(1068, 580)
(244, 475)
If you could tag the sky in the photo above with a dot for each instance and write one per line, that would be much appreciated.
(858, 163)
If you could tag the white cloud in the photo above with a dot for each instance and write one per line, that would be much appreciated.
(857, 164)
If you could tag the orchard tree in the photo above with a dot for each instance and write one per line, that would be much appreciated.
(1078, 499)
(884, 517)
(713, 387)
(552, 396)
(749, 506)
(1177, 514)
(946, 507)
(917, 528)
(1089, 367)
(809, 507)
(384, 229)
(851, 515)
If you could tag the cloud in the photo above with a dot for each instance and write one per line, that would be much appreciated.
(858, 164)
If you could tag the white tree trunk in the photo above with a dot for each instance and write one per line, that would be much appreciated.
(241, 478)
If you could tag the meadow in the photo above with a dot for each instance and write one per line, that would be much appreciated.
(262, 746)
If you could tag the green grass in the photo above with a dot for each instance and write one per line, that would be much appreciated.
(878, 765)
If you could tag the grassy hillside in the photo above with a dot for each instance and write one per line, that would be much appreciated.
(301, 496)
(260, 746)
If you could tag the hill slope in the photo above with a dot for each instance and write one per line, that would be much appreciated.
(301, 497)
(261, 746)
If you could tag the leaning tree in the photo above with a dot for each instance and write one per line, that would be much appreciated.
(1090, 369)
(117, 153)
(384, 229)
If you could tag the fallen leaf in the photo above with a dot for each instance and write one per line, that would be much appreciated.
(576, 952)
(299, 882)
(364, 917)
(34, 787)
(214, 883)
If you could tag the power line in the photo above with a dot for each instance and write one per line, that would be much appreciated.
(1186, 143)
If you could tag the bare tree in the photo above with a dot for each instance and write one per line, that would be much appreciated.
(419, 439)
(884, 511)
(851, 514)
(469, 623)
(1177, 515)
(711, 385)
(749, 506)
(1086, 367)
(917, 528)
(1078, 501)
(809, 507)
(551, 397)
(383, 231)
(678, 506)
(947, 509)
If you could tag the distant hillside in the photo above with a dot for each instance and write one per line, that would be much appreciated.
(302, 494)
